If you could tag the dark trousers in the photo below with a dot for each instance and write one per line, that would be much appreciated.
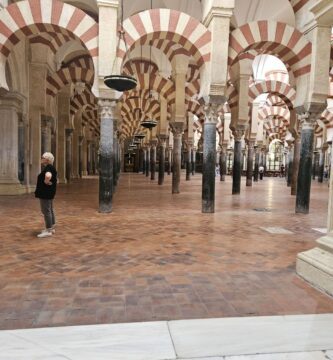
(46, 207)
(261, 175)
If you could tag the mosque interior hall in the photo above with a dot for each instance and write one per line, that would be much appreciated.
(192, 141)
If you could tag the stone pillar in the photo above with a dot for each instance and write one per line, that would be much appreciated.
(45, 134)
(322, 163)
(84, 157)
(161, 165)
(223, 162)
(75, 155)
(80, 155)
(193, 156)
(237, 164)
(290, 164)
(169, 160)
(256, 164)
(249, 170)
(10, 104)
(148, 161)
(69, 133)
(296, 157)
(305, 167)
(177, 130)
(209, 159)
(63, 120)
(141, 159)
(153, 160)
(189, 160)
(314, 169)
(144, 160)
(106, 151)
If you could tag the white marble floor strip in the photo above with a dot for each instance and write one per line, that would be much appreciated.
(295, 337)
(276, 230)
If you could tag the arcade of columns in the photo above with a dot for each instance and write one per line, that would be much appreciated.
(194, 76)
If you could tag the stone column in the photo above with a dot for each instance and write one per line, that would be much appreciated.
(209, 159)
(256, 164)
(169, 160)
(140, 151)
(290, 164)
(188, 160)
(237, 164)
(314, 169)
(75, 155)
(223, 162)
(161, 165)
(177, 130)
(322, 163)
(148, 161)
(63, 120)
(249, 170)
(106, 154)
(193, 156)
(153, 159)
(296, 159)
(305, 167)
(84, 157)
(80, 155)
(144, 160)
(68, 133)
(10, 104)
(45, 134)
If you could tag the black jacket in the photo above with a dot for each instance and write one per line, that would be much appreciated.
(44, 191)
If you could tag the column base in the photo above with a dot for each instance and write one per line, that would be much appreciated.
(316, 265)
(13, 189)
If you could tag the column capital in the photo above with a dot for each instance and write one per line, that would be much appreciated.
(108, 3)
(108, 108)
(211, 111)
(69, 132)
(177, 128)
(238, 134)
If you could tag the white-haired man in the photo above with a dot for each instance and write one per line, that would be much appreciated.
(45, 191)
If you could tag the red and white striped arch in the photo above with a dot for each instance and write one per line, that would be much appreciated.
(172, 26)
(195, 108)
(139, 66)
(83, 61)
(232, 96)
(29, 17)
(319, 131)
(327, 118)
(275, 100)
(83, 100)
(283, 90)
(275, 111)
(64, 76)
(269, 37)
(275, 128)
(53, 40)
(298, 4)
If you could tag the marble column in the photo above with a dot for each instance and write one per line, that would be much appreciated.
(237, 164)
(45, 134)
(177, 129)
(290, 164)
(193, 156)
(296, 159)
(188, 160)
(321, 164)
(223, 162)
(148, 161)
(84, 157)
(256, 164)
(314, 168)
(144, 160)
(305, 167)
(63, 120)
(161, 165)
(153, 160)
(140, 151)
(209, 159)
(10, 104)
(68, 133)
(249, 170)
(169, 160)
(106, 151)
(80, 155)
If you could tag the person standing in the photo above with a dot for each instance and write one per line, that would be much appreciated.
(45, 192)
(261, 172)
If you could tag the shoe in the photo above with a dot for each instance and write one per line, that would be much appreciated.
(44, 233)
(53, 231)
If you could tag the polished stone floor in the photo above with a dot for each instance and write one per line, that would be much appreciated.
(157, 257)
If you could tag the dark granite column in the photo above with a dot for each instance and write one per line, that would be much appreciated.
(140, 151)
(106, 150)
(153, 159)
(322, 163)
(223, 162)
(193, 156)
(80, 155)
(209, 160)
(314, 156)
(177, 129)
(189, 160)
(169, 160)
(148, 161)
(296, 159)
(256, 164)
(290, 164)
(237, 164)
(68, 133)
(144, 160)
(161, 164)
(305, 167)
(249, 170)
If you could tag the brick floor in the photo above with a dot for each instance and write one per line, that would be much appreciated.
(156, 257)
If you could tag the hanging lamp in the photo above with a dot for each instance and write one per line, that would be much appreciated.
(121, 82)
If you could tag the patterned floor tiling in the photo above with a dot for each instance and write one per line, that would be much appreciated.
(156, 257)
